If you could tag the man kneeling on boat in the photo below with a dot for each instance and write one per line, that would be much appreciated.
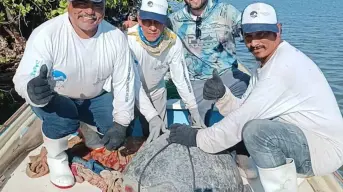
(64, 75)
(156, 50)
(288, 118)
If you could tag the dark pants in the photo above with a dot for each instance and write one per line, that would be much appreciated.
(62, 115)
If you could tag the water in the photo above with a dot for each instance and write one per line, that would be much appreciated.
(313, 26)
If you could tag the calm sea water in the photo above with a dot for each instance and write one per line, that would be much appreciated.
(314, 27)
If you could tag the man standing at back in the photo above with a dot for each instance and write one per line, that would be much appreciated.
(208, 30)
(67, 62)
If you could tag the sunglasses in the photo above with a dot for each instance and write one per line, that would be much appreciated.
(86, 3)
(258, 35)
(197, 27)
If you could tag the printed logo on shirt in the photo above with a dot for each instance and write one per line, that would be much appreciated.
(58, 78)
(36, 68)
(185, 77)
(128, 84)
(58, 75)
(208, 40)
(160, 66)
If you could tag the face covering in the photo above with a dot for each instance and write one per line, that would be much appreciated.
(157, 47)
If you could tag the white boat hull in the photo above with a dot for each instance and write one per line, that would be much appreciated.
(19, 181)
(13, 139)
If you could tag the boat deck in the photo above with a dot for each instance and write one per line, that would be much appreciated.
(15, 138)
(19, 181)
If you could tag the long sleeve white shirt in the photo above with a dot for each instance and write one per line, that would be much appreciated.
(79, 68)
(151, 70)
(292, 89)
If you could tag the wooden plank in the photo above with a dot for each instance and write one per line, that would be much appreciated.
(21, 143)
(13, 117)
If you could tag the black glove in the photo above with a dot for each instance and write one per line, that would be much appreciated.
(183, 134)
(114, 137)
(38, 88)
(214, 88)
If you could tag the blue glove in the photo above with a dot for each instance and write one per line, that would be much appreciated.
(214, 88)
(38, 88)
(114, 137)
(183, 134)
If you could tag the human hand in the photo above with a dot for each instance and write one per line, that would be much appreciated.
(38, 88)
(114, 137)
(214, 88)
(156, 125)
(183, 134)
(197, 121)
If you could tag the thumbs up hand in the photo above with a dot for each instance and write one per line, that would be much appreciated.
(214, 88)
(43, 73)
(38, 88)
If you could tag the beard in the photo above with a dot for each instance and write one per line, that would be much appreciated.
(201, 6)
(251, 50)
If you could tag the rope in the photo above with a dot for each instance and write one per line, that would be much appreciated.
(158, 152)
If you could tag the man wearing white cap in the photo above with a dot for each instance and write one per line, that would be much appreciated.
(289, 124)
(156, 50)
(77, 67)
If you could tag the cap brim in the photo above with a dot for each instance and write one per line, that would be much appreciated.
(256, 27)
(153, 16)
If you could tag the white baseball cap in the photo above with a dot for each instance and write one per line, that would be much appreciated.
(259, 17)
(155, 10)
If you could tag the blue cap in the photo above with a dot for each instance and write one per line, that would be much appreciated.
(153, 16)
(251, 28)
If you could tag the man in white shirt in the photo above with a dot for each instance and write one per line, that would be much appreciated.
(288, 118)
(64, 75)
(156, 50)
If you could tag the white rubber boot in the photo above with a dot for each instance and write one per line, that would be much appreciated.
(91, 137)
(280, 179)
(57, 159)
